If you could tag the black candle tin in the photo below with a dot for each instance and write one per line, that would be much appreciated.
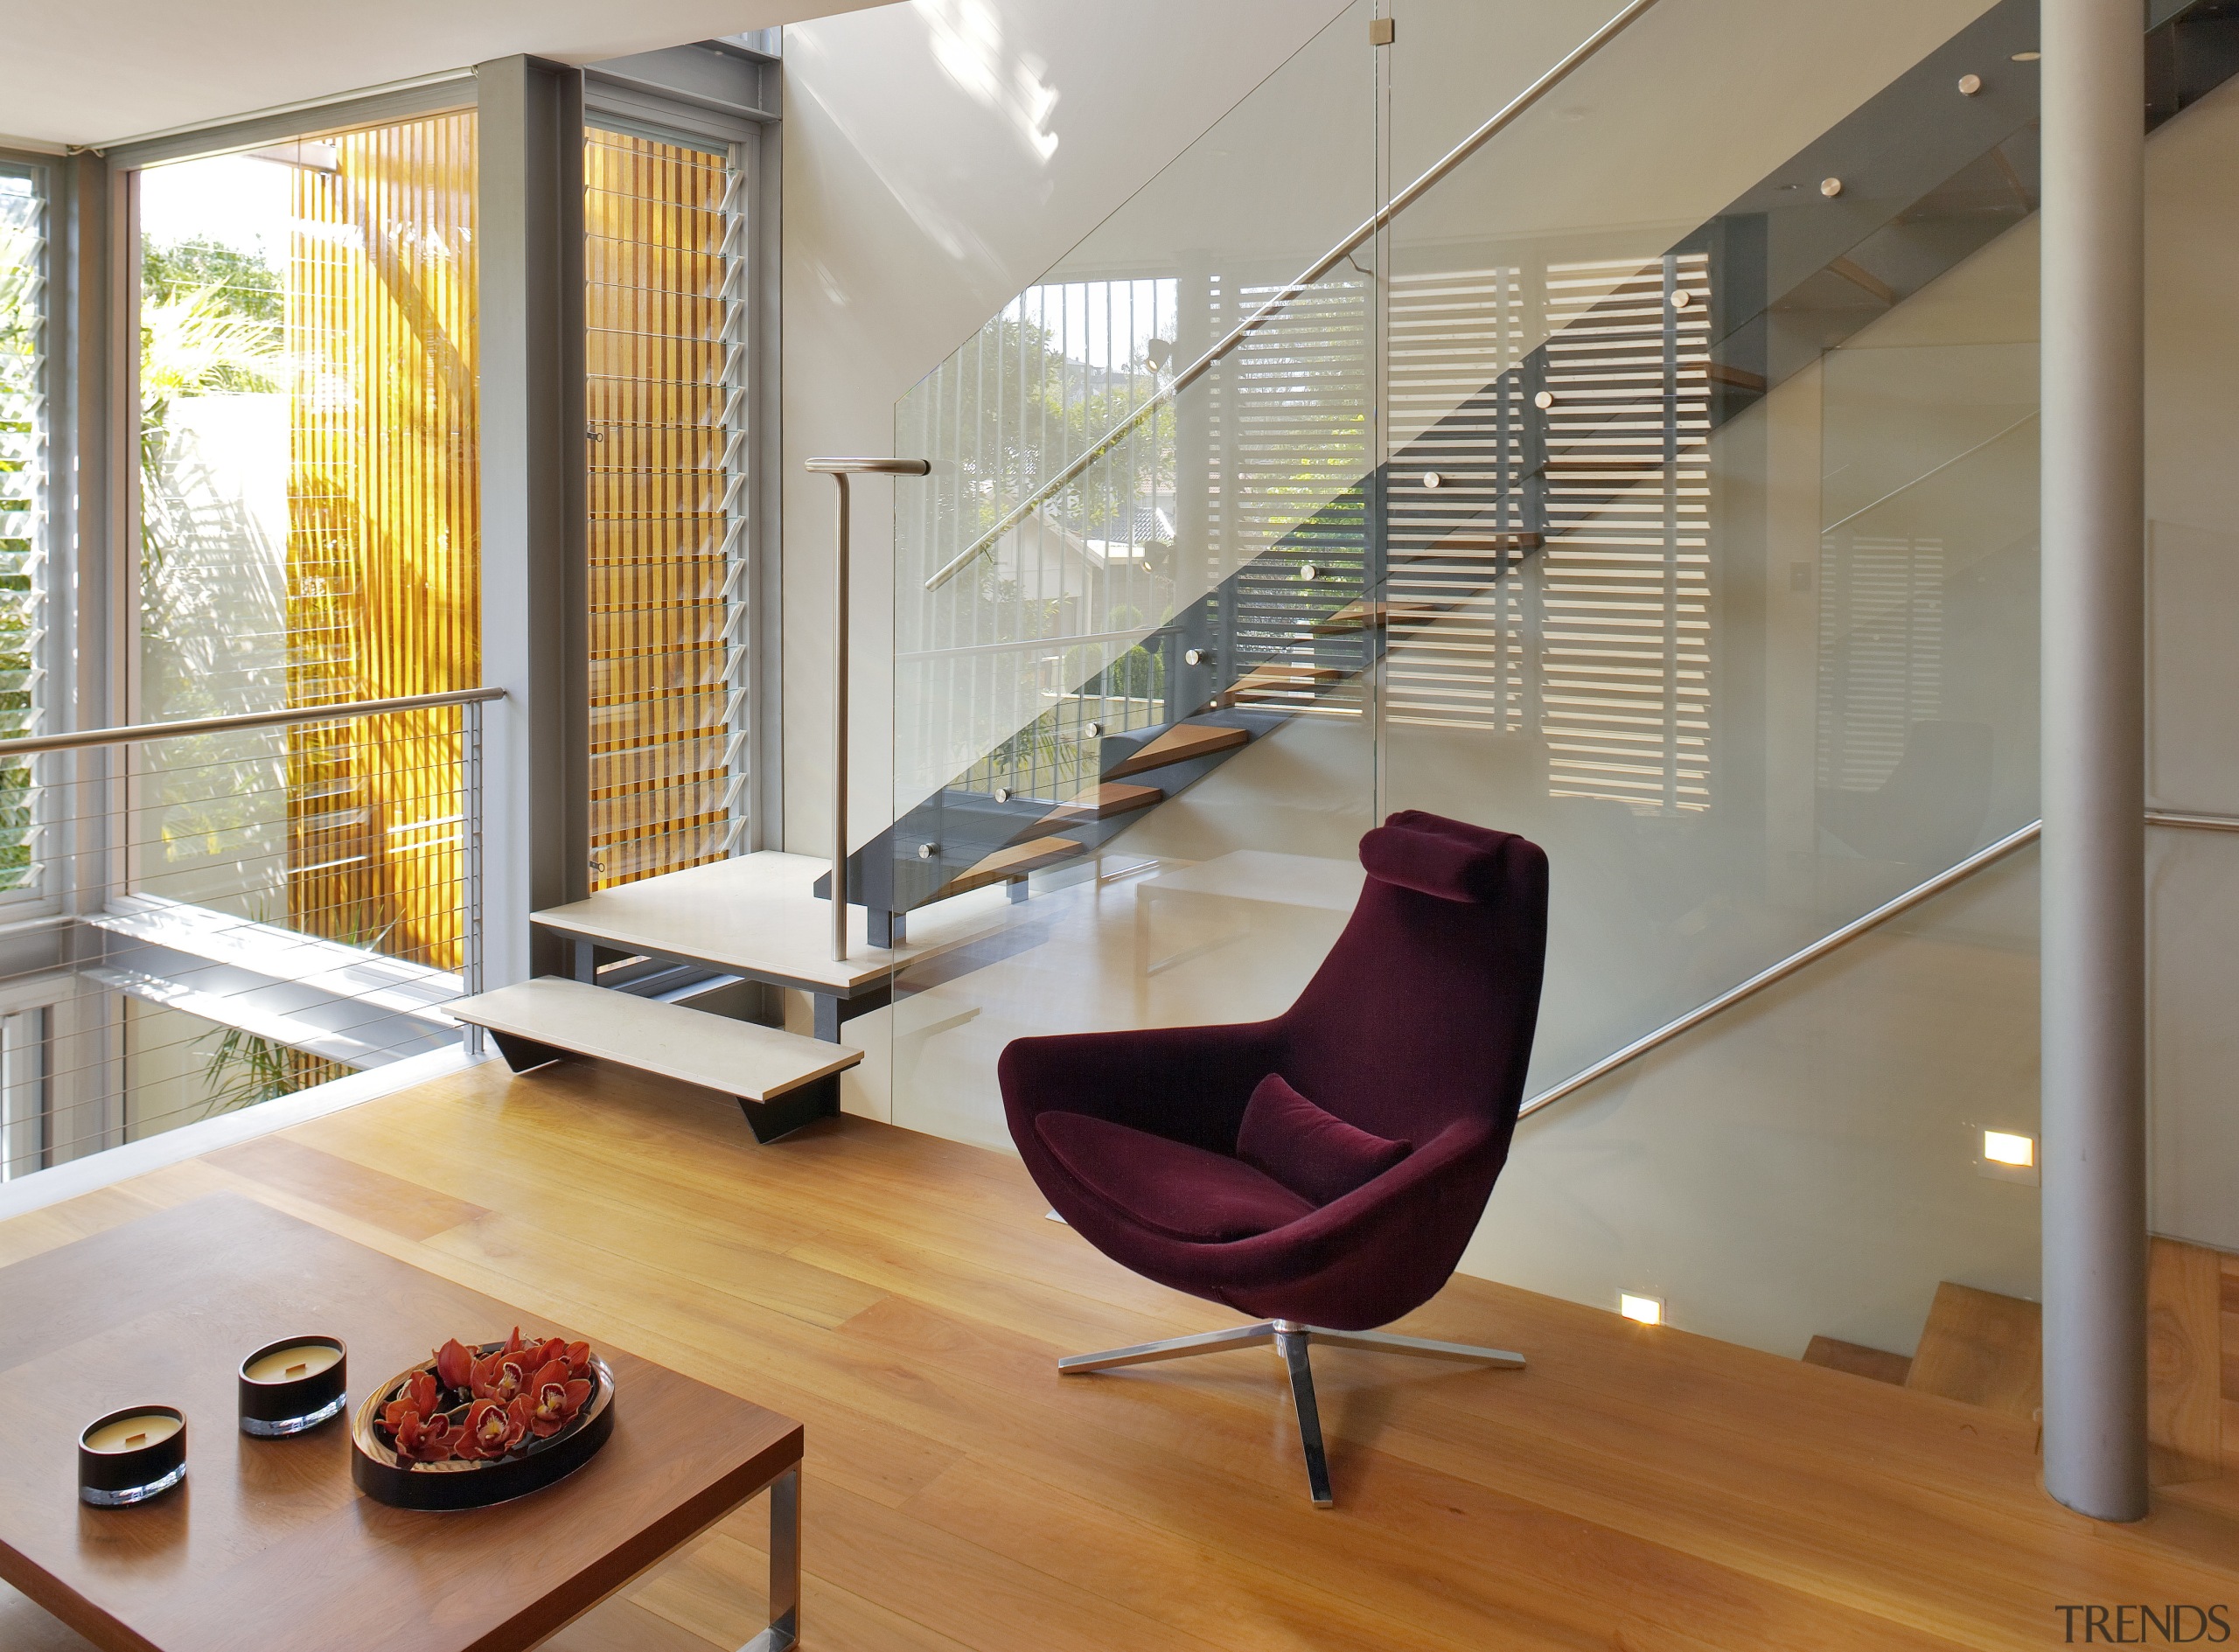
(269, 1410)
(114, 1479)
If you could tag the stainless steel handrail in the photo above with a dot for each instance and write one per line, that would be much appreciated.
(1788, 966)
(1508, 114)
(133, 734)
(1849, 932)
(2192, 822)
(1927, 475)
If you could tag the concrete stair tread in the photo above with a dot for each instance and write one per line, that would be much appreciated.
(755, 1064)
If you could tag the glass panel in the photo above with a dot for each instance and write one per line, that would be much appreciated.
(667, 313)
(309, 522)
(1712, 569)
(1606, 421)
(23, 549)
(1687, 542)
(1120, 580)
(309, 512)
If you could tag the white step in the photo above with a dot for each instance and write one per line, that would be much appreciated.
(754, 1063)
(758, 915)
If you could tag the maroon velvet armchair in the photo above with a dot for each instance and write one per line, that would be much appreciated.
(1322, 1171)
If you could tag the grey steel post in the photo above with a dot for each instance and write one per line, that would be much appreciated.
(535, 515)
(2094, 712)
(470, 863)
(840, 471)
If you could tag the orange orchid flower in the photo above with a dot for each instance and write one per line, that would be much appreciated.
(502, 1377)
(427, 1441)
(455, 1364)
(491, 1430)
(417, 1398)
(553, 1398)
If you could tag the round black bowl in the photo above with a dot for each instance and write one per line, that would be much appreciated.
(384, 1477)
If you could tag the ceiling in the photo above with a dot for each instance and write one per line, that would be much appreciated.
(101, 71)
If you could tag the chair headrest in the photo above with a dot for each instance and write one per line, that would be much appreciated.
(1433, 855)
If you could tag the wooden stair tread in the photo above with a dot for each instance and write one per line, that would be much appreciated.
(1983, 1349)
(1284, 670)
(1011, 863)
(1101, 803)
(688, 1045)
(1353, 616)
(1178, 744)
(1858, 1359)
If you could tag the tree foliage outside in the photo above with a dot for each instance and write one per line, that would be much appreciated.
(210, 325)
(22, 328)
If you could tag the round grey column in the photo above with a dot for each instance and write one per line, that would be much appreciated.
(2094, 712)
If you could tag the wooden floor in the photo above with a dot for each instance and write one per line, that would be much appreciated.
(1636, 1488)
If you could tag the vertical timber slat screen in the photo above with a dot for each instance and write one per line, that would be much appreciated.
(665, 350)
(384, 595)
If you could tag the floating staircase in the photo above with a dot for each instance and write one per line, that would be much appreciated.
(1450, 517)
(1927, 176)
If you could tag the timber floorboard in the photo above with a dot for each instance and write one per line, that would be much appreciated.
(1634, 1488)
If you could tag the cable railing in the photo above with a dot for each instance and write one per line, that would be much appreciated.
(218, 912)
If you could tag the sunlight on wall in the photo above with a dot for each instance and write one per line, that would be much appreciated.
(968, 43)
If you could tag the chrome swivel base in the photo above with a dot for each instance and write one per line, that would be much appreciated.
(1291, 1339)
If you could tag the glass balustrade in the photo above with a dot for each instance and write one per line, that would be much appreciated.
(1658, 482)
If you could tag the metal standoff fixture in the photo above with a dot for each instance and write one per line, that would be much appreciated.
(840, 470)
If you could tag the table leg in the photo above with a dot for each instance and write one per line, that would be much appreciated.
(784, 1629)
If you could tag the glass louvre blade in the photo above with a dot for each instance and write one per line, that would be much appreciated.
(665, 331)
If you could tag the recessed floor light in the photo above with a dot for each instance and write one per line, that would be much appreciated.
(2001, 1148)
(1648, 1310)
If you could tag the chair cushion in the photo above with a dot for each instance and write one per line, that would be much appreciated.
(1312, 1152)
(1170, 1186)
(1433, 855)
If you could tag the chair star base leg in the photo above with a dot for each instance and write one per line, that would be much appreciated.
(1172, 1347)
(1421, 1348)
(1293, 1344)
(1292, 1341)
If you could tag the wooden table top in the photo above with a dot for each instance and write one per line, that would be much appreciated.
(269, 1544)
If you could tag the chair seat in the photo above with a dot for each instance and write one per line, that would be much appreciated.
(1171, 1187)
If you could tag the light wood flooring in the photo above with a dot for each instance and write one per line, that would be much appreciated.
(1636, 1488)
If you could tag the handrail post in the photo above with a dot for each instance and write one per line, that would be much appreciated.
(840, 581)
(2093, 507)
(840, 471)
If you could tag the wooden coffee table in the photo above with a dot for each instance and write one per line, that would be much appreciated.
(267, 1544)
